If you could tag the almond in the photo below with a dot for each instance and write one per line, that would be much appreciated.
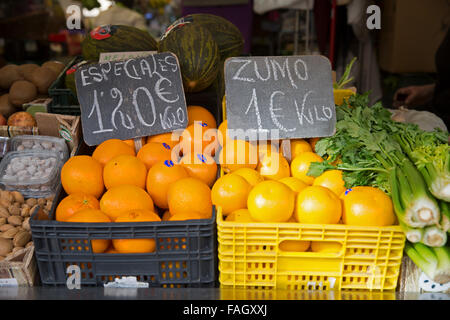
(6, 227)
(9, 234)
(4, 213)
(5, 203)
(41, 201)
(2, 221)
(31, 202)
(6, 195)
(26, 223)
(18, 197)
(14, 210)
(15, 220)
(33, 209)
(29, 244)
(21, 239)
(25, 211)
(6, 246)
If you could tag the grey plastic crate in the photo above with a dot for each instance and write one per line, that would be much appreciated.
(185, 254)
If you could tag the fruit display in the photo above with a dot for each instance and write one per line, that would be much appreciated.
(333, 212)
(116, 184)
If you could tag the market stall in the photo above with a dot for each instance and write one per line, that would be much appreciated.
(180, 163)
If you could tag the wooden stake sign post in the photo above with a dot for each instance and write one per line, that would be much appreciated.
(292, 95)
(131, 99)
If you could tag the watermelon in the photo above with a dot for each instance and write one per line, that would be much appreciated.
(197, 53)
(227, 35)
(116, 38)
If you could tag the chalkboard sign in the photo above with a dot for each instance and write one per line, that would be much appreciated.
(131, 98)
(280, 97)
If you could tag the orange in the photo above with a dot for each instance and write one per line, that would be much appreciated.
(130, 142)
(166, 215)
(294, 184)
(298, 146)
(199, 138)
(187, 215)
(92, 215)
(267, 148)
(143, 245)
(331, 179)
(271, 201)
(153, 152)
(326, 246)
(294, 245)
(312, 142)
(316, 204)
(111, 148)
(367, 206)
(238, 154)
(74, 203)
(200, 166)
(251, 175)
(159, 179)
(125, 198)
(123, 170)
(169, 138)
(274, 166)
(82, 174)
(241, 215)
(300, 166)
(188, 194)
(198, 113)
(230, 192)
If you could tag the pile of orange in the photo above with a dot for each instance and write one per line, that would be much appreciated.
(156, 183)
(173, 177)
(276, 190)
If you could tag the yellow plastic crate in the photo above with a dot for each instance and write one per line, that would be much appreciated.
(341, 94)
(249, 256)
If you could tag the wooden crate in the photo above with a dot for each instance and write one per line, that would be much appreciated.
(19, 270)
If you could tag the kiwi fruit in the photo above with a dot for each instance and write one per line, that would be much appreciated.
(21, 92)
(9, 74)
(56, 66)
(27, 69)
(6, 107)
(43, 78)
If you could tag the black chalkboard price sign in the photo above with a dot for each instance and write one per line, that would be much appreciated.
(131, 98)
(280, 97)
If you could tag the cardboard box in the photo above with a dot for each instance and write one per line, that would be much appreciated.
(411, 32)
(50, 124)
(20, 270)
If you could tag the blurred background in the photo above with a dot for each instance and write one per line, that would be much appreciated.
(401, 54)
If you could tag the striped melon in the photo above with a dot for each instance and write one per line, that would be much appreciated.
(197, 53)
(69, 79)
(227, 35)
(116, 38)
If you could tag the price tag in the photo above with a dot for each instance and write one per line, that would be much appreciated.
(131, 98)
(280, 97)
